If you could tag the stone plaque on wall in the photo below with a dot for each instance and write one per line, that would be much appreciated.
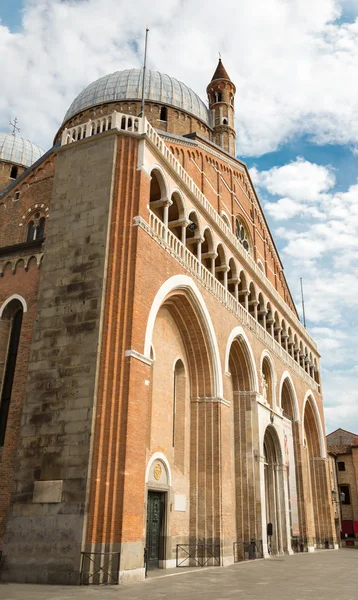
(180, 502)
(48, 491)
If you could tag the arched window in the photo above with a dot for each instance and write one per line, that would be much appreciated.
(163, 113)
(13, 172)
(36, 228)
(242, 234)
(224, 121)
(10, 336)
(30, 231)
(220, 97)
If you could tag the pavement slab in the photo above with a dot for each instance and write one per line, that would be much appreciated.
(317, 576)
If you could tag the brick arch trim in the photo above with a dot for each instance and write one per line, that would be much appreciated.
(296, 410)
(186, 284)
(238, 332)
(309, 397)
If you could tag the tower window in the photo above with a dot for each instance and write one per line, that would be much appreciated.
(224, 121)
(219, 96)
(163, 113)
(341, 466)
(36, 228)
(13, 172)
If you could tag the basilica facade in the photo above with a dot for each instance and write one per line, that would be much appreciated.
(161, 401)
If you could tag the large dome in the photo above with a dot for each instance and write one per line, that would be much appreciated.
(15, 149)
(127, 85)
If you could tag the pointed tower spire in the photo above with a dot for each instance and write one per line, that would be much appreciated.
(221, 95)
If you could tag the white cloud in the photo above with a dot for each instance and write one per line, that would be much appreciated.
(298, 180)
(318, 235)
(295, 69)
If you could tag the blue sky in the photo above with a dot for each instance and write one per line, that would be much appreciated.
(10, 13)
(295, 66)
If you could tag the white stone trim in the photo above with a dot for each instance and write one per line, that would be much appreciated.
(169, 563)
(131, 575)
(13, 297)
(157, 167)
(286, 375)
(238, 332)
(309, 394)
(159, 456)
(139, 356)
(184, 282)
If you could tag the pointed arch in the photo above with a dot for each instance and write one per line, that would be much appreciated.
(309, 398)
(238, 334)
(184, 283)
(10, 299)
(287, 380)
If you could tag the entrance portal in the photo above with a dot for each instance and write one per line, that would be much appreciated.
(155, 527)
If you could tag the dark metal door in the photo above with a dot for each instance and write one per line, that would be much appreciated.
(154, 528)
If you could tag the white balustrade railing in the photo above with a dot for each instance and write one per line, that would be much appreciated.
(115, 120)
(139, 126)
(175, 164)
(175, 247)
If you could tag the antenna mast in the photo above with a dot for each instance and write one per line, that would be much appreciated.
(303, 304)
(144, 70)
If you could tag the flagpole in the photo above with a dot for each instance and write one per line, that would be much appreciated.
(144, 70)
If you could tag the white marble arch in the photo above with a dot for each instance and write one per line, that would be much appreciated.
(159, 456)
(184, 282)
(8, 300)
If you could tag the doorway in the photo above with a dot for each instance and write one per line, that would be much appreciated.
(155, 529)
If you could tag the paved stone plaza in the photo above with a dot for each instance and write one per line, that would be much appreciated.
(318, 576)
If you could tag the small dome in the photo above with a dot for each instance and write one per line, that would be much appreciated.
(127, 85)
(15, 149)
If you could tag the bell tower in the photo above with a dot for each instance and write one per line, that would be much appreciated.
(221, 96)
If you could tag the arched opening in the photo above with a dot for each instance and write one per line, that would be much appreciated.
(244, 385)
(261, 311)
(10, 330)
(287, 403)
(176, 217)
(316, 488)
(243, 291)
(158, 199)
(163, 113)
(193, 238)
(267, 381)
(253, 302)
(284, 336)
(232, 279)
(220, 265)
(14, 172)
(270, 321)
(36, 228)
(277, 328)
(292, 453)
(208, 253)
(274, 493)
